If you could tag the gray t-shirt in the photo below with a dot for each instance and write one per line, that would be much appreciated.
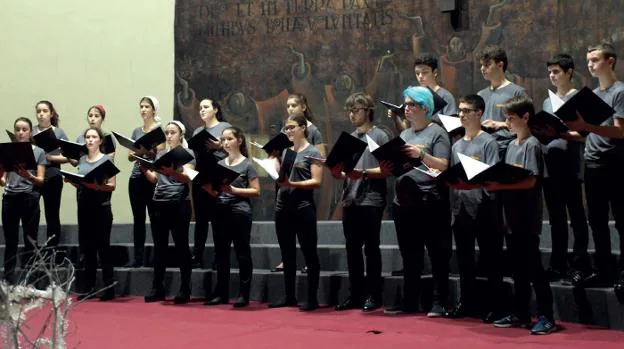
(52, 168)
(16, 184)
(475, 202)
(449, 109)
(238, 203)
(295, 198)
(560, 155)
(494, 98)
(314, 135)
(599, 150)
(371, 191)
(216, 131)
(136, 134)
(104, 148)
(169, 188)
(415, 185)
(523, 207)
(88, 196)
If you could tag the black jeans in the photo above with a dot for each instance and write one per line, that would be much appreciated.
(485, 229)
(424, 223)
(362, 227)
(16, 207)
(204, 205)
(94, 231)
(232, 227)
(290, 225)
(601, 190)
(51, 192)
(527, 268)
(174, 216)
(141, 192)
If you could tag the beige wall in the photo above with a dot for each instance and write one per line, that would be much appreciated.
(77, 53)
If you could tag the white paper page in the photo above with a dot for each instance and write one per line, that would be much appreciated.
(471, 166)
(555, 101)
(191, 173)
(372, 145)
(450, 122)
(269, 166)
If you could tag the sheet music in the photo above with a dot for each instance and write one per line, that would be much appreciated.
(555, 101)
(269, 166)
(450, 122)
(471, 166)
(372, 145)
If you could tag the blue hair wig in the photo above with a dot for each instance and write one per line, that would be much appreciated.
(421, 96)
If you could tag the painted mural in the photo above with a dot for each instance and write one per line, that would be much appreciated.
(250, 54)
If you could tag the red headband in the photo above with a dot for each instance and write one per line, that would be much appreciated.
(101, 109)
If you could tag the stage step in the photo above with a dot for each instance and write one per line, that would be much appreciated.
(590, 306)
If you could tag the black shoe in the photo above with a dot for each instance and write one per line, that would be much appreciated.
(462, 310)
(134, 264)
(554, 274)
(574, 277)
(512, 321)
(217, 300)
(399, 309)
(241, 302)
(288, 302)
(492, 317)
(399, 272)
(182, 298)
(277, 270)
(309, 306)
(618, 288)
(108, 295)
(304, 270)
(371, 304)
(155, 296)
(437, 310)
(197, 263)
(349, 303)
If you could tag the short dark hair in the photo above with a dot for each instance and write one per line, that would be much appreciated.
(364, 100)
(563, 60)
(494, 53)
(427, 59)
(607, 51)
(476, 101)
(519, 105)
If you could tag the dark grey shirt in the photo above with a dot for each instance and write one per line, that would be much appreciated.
(412, 185)
(599, 150)
(314, 135)
(560, 155)
(136, 134)
(88, 196)
(475, 202)
(238, 203)
(169, 188)
(295, 198)
(494, 98)
(52, 168)
(451, 105)
(370, 191)
(216, 131)
(16, 184)
(523, 207)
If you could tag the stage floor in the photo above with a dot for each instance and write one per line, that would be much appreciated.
(130, 323)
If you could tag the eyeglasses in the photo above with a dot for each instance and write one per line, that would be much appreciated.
(411, 105)
(467, 110)
(290, 127)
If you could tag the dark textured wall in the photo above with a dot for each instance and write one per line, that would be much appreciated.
(249, 55)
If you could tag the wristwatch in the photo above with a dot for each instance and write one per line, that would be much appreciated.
(421, 156)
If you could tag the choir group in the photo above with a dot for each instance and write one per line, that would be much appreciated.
(439, 194)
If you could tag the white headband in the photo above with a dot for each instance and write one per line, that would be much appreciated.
(156, 107)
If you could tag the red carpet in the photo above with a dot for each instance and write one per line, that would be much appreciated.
(130, 323)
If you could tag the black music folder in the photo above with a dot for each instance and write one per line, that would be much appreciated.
(288, 161)
(99, 174)
(175, 157)
(438, 102)
(593, 109)
(544, 121)
(393, 152)
(148, 141)
(15, 154)
(399, 110)
(198, 141)
(218, 176)
(72, 150)
(477, 172)
(12, 136)
(277, 143)
(108, 145)
(46, 140)
(347, 150)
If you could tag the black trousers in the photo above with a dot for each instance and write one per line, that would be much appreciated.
(601, 190)
(424, 223)
(15, 208)
(232, 227)
(204, 205)
(141, 192)
(174, 217)
(527, 269)
(51, 192)
(290, 225)
(94, 230)
(485, 229)
(362, 227)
